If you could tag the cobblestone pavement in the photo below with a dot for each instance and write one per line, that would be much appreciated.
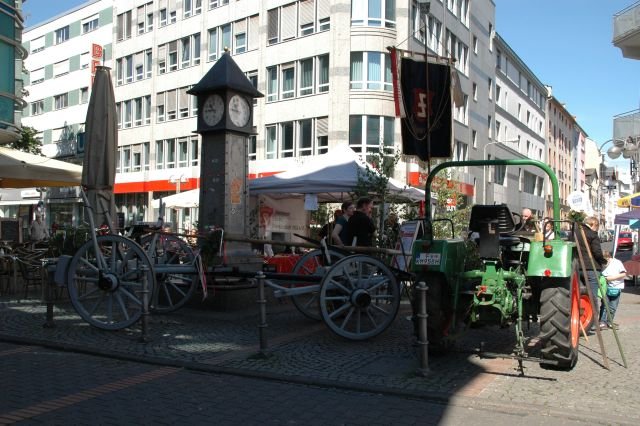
(307, 353)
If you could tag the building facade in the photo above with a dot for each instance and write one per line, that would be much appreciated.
(518, 131)
(325, 71)
(11, 85)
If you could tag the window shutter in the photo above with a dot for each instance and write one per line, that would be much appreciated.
(272, 31)
(322, 126)
(37, 44)
(162, 53)
(253, 32)
(306, 12)
(160, 99)
(138, 60)
(184, 98)
(288, 21)
(240, 27)
(171, 100)
(324, 9)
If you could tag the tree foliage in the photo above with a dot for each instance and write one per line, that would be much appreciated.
(27, 142)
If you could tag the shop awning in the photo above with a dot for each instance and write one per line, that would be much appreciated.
(22, 170)
(632, 200)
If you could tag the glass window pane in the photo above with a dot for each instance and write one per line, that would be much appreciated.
(373, 130)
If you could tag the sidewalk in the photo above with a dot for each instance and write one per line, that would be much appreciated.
(307, 352)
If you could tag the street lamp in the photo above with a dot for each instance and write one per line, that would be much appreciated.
(484, 168)
(176, 180)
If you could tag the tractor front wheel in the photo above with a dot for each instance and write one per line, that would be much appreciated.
(560, 322)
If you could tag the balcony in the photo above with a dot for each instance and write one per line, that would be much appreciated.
(626, 31)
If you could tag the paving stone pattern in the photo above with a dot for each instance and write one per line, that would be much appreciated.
(307, 352)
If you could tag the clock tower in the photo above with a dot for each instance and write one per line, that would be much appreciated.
(225, 120)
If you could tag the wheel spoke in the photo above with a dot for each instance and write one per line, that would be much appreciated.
(373, 321)
(377, 307)
(131, 296)
(340, 310)
(122, 306)
(375, 286)
(347, 317)
(340, 286)
(95, 305)
(87, 294)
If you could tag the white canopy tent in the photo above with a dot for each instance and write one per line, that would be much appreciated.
(331, 176)
(183, 200)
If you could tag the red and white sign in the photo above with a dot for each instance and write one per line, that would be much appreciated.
(96, 51)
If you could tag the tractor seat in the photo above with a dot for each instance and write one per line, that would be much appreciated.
(494, 224)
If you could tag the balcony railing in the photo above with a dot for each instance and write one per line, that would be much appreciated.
(626, 31)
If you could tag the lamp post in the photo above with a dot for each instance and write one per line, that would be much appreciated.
(484, 168)
(424, 7)
(627, 149)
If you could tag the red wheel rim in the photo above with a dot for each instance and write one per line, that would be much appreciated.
(586, 311)
(576, 316)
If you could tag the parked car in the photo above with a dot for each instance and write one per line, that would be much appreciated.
(625, 240)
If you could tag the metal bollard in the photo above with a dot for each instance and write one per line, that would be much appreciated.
(423, 342)
(144, 338)
(48, 297)
(262, 327)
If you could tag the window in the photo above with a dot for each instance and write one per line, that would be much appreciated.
(474, 138)
(37, 44)
(490, 88)
(306, 17)
(84, 95)
(368, 133)
(37, 107)
(160, 109)
(62, 34)
(371, 70)
(125, 163)
(195, 150)
(435, 35)
(145, 155)
(170, 151)
(286, 134)
(37, 76)
(61, 68)
(271, 143)
(145, 18)
(272, 84)
(185, 47)
(147, 109)
(128, 66)
(322, 135)
(475, 44)
(373, 13)
(240, 43)
(137, 103)
(171, 104)
(159, 155)
(226, 36)
(123, 26)
(84, 60)
(252, 147)
(305, 138)
(136, 165)
(288, 81)
(474, 90)
(213, 44)
(148, 62)
(89, 24)
(499, 174)
(461, 151)
(183, 152)
(217, 3)
(61, 101)
(323, 73)
(461, 113)
(183, 102)
(253, 78)
(306, 77)
(173, 55)
(128, 113)
(162, 13)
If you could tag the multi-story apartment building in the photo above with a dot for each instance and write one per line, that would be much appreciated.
(11, 85)
(561, 130)
(518, 131)
(325, 71)
(63, 53)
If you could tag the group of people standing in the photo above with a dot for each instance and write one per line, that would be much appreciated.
(353, 225)
(604, 266)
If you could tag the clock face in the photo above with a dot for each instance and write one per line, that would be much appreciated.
(239, 110)
(212, 110)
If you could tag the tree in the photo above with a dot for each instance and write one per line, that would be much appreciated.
(27, 142)
(373, 182)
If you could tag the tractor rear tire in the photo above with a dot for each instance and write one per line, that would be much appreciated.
(439, 311)
(560, 323)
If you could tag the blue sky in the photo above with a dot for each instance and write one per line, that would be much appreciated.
(566, 43)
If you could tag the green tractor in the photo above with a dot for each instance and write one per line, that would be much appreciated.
(519, 279)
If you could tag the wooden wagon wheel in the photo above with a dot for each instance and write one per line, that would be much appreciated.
(172, 290)
(105, 281)
(359, 297)
(312, 263)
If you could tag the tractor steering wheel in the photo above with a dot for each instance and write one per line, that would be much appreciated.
(520, 225)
